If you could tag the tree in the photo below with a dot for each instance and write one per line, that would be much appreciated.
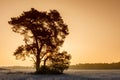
(44, 33)
(60, 62)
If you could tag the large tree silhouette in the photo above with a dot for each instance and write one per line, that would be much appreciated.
(44, 34)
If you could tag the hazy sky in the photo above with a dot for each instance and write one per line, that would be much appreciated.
(94, 27)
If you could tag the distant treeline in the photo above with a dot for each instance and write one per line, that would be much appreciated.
(96, 66)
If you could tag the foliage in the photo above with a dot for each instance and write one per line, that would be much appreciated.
(57, 63)
(44, 33)
(60, 61)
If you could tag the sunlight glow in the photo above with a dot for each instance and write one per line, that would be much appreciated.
(94, 27)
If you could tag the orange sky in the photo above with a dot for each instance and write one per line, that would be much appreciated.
(94, 29)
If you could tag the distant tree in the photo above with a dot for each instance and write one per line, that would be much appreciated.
(44, 33)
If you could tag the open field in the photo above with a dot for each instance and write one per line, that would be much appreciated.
(24, 74)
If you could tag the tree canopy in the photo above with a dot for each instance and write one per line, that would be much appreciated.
(44, 33)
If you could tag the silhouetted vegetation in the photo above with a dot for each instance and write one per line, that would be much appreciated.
(96, 66)
(44, 33)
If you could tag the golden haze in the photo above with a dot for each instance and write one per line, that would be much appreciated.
(94, 29)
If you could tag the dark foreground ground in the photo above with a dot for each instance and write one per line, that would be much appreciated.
(24, 74)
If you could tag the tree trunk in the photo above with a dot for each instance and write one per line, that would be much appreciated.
(38, 58)
(44, 70)
(45, 62)
(38, 63)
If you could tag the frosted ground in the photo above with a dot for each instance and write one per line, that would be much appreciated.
(24, 74)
